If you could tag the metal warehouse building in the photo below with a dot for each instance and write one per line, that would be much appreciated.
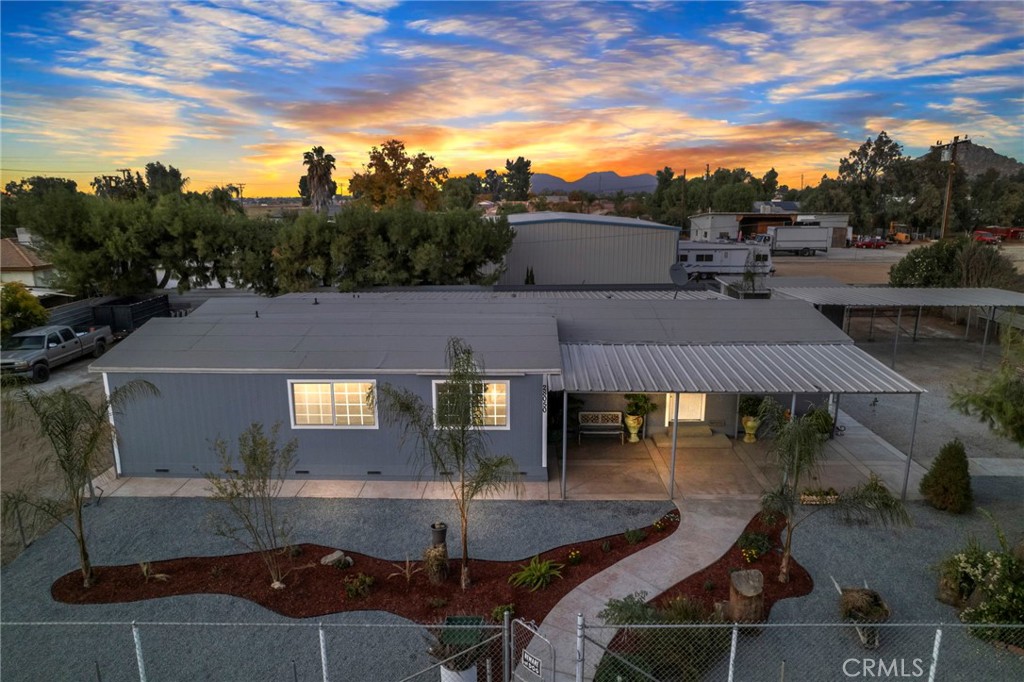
(577, 248)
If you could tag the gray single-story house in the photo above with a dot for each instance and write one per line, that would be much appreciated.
(306, 361)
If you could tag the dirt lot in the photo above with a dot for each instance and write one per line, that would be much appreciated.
(21, 447)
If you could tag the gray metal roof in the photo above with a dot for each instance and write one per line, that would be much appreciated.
(776, 282)
(557, 216)
(337, 342)
(664, 294)
(740, 368)
(579, 321)
(909, 297)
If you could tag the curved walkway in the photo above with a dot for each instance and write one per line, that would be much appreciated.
(707, 528)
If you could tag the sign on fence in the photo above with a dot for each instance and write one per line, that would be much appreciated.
(531, 663)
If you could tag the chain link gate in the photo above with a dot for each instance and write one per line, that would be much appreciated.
(532, 656)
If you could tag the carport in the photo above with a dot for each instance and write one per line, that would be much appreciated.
(839, 304)
(832, 369)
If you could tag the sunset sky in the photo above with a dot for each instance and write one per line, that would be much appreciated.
(234, 92)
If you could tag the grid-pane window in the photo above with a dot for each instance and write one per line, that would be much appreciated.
(350, 405)
(493, 408)
(337, 403)
(313, 405)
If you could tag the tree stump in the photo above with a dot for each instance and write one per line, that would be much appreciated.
(746, 596)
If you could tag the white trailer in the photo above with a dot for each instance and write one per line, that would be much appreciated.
(704, 260)
(801, 240)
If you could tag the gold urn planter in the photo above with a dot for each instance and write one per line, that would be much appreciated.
(750, 427)
(633, 424)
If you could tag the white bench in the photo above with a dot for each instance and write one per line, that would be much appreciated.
(605, 423)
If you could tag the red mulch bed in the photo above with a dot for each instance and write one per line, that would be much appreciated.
(712, 583)
(316, 590)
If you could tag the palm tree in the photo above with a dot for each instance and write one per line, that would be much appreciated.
(318, 176)
(797, 445)
(78, 432)
(450, 443)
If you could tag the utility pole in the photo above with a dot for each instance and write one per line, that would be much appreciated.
(949, 154)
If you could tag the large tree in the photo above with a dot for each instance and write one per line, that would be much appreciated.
(863, 172)
(78, 433)
(517, 179)
(392, 177)
(403, 247)
(19, 309)
(450, 442)
(321, 187)
(302, 253)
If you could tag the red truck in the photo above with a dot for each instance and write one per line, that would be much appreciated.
(985, 237)
(1006, 233)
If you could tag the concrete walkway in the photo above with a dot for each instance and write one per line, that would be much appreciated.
(707, 529)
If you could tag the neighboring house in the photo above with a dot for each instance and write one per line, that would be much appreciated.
(21, 263)
(307, 362)
(579, 248)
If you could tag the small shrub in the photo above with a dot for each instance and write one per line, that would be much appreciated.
(632, 609)
(294, 551)
(575, 558)
(753, 544)
(683, 610)
(947, 485)
(435, 564)
(407, 571)
(358, 585)
(537, 574)
(437, 602)
(709, 585)
(635, 535)
(606, 546)
(148, 574)
(498, 612)
(863, 605)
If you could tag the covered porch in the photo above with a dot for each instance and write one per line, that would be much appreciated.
(603, 469)
(668, 465)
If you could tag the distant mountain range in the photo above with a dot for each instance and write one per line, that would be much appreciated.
(973, 158)
(604, 182)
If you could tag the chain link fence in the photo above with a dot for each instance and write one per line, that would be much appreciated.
(512, 652)
(799, 652)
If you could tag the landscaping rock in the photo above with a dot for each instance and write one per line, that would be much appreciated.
(337, 558)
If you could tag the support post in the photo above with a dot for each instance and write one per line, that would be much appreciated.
(967, 324)
(834, 397)
(506, 633)
(565, 434)
(580, 629)
(917, 322)
(910, 452)
(984, 341)
(732, 653)
(138, 652)
(871, 326)
(896, 339)
(935, 655)
(323, 653)
(675, 443)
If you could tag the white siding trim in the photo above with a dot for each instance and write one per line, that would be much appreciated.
(110, 416)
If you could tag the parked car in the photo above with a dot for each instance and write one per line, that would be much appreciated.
(985, 237)
(870, 243)
(34, 352)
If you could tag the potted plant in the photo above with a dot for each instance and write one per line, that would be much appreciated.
(750, 407)
(638, 406)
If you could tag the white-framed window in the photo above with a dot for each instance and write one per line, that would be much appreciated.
(331, 404)
(705, 257)
(494, 413)
(691, 407)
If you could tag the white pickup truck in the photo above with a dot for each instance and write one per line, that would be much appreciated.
(34, 352)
